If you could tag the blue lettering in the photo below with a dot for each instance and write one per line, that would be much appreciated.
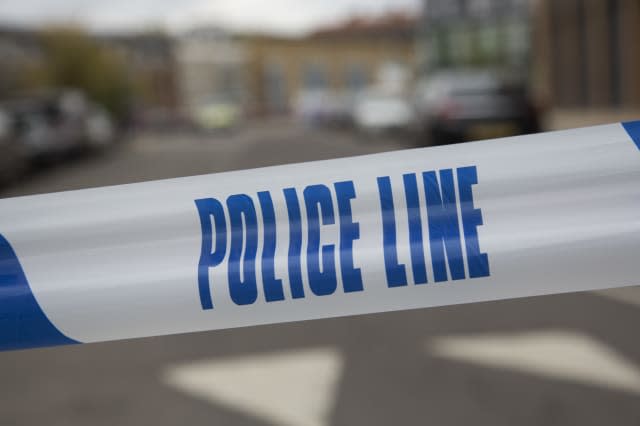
(349, 231)
(471, 218)
(415, 228)
(244, 234)
(444, 230)
(319, 205)
(446, 226)
(210, 256)
(272, 286)
(295, 243)
(396, 274)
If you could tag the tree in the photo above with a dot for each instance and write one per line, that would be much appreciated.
(73, 59)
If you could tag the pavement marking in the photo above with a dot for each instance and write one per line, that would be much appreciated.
(295, 387)
(561, 355)
(628, 295)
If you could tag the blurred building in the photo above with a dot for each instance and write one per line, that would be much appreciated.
(212, 69)
(151, 67)
(344, 58)
(147, 58)
(588, 53)
(475, 33)
(21, 53)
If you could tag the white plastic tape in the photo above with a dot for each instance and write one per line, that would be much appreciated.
(522, 216)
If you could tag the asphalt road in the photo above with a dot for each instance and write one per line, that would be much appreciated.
(565, 360)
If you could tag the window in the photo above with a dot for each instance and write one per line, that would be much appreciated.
(488, 44)
(315, 77)
(461, 45)
(356, 78)
(517, 35)
(276, 96)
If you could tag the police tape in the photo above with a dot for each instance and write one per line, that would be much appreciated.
(529, 215)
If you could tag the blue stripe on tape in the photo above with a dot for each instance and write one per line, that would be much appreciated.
(23, 324)
(633, 128)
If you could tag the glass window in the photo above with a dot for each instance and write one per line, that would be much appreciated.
(275, 88)
(517, 41)
(488, 43)
(315, 76)
(356, 77)
(460, 45)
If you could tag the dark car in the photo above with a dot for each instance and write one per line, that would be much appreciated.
(458, 106)
(13, 155)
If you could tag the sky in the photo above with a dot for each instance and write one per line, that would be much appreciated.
(281, 16)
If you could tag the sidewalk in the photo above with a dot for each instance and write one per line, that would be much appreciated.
(558, 119)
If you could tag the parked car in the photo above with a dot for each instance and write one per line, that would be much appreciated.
(54, 124)
(13, 157)
(457, 106)
(321, 107)
(377, 111)
(50, 125)
(219, 113)
(100, 130)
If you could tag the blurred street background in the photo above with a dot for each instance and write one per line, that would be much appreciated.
(100, 93)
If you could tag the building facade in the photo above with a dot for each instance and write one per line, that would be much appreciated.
(150, 65)
(345, 58)
(476, 33)
(22, 54)
(211, 68)
(588, 53)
